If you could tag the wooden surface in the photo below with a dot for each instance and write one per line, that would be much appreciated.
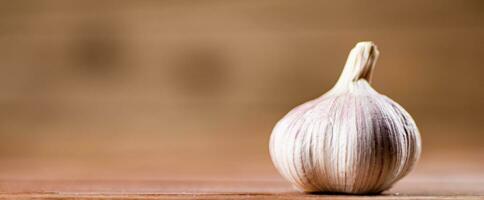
(431, 188)
(210, 168)
(229, 163)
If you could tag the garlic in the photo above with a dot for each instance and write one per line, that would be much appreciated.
(351, 139)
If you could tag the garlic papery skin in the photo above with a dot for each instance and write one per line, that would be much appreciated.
(351, 139)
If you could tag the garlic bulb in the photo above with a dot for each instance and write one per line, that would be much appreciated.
(351, 139)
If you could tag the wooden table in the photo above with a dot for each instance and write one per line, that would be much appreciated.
(223, 164)
(213, 177)
(413, 188)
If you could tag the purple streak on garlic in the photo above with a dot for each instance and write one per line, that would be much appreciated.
(351, 139)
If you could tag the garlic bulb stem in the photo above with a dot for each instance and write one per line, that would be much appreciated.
(359, 66)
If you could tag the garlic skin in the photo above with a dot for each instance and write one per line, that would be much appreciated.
(351, 139)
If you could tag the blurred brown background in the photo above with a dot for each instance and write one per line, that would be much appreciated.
(191, 89)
